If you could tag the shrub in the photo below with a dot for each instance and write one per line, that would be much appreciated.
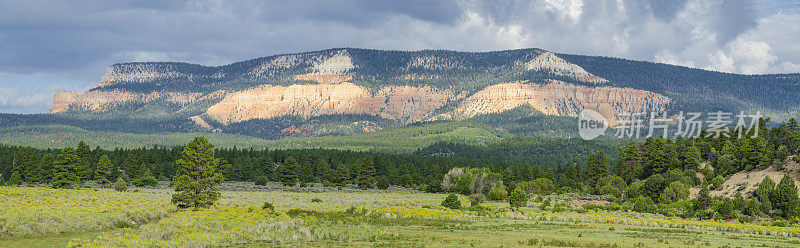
(518, 198)
(725, 209)
(633, 190)
(643, 205)
(383, 182)
(612, 207)
(261, 181)
(676, 191)
(540, 186)
(609, 189)
(268, 205)
(745, 219)
(316, 200)
(434, 186)
(717, 182)
(498, 193)
(451, 202)
(511, 186)
(753, 207)
(120, 185)
(145, 181)
(476, 199)
(545, 204)
(592, 207)
(15, 179)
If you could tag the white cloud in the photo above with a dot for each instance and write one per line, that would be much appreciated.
(742, 56)
(18, 97)
(721, 62)
(754, 56)
(667, 57)
(567, 9)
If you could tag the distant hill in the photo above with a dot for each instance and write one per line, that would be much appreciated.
(342, 92)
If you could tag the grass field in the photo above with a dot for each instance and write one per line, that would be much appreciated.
(343, 219)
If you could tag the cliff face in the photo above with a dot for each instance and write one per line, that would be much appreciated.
(99, 101)
(401, 103)
(562, 99)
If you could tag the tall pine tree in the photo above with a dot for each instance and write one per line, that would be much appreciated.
(366, 179)
(629, 163)
(596, 167)
(24, 164)
(103, 170)
(785, 199)
(197, 178)
(288, 172)
(64, 168)
(342, 175)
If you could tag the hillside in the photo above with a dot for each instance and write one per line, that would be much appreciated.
(746, 182)
(339, 92)
(399, 140)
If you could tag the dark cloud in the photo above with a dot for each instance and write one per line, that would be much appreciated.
(735, 17)
(666, 10)
(76, 40)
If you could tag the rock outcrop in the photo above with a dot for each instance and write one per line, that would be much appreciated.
(100, 100)
(402, 103)
(549, 62)
(559, 98)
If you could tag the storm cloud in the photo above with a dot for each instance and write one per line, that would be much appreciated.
(67, 44)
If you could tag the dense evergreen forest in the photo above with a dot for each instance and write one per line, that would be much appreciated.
(641, 174)
(147, 164)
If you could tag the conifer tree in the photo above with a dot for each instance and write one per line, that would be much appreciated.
(764, 192)
(103, 170)
(83, 170)
(596, 167)
(629, 163)
(197, 179)
(785, 199)
(45, 167)
(703, 200)
(342, 175)
(15, 179)
(24, 162)
(288, 172)
(654, 159)
(517, 199)
(692, 158)
(383, 182)
(64, 168)
(366, 179)
(132, 167)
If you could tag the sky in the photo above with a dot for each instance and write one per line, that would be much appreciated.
(47, 46)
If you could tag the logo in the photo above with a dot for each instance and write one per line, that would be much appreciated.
(591, 124)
